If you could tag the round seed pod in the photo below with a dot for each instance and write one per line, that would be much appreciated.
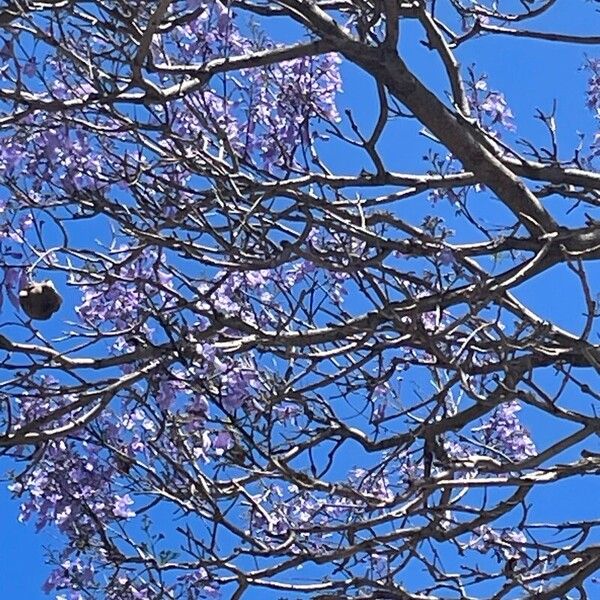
(40, 300)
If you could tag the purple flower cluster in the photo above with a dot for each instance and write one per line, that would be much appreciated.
(489, 106)
(264, 121)
(267, 118)
(69, 572)
(504, 544)
(280, 511)
(138, 280)
(593, 100)
(70, 485)
(283, 511)
(49, 155)
(504, 433)
(82, 489)
(593, 91)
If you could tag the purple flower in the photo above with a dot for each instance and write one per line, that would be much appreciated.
(506, 544)
(496, 107)
(504, 432)
(121, 507)
(286, 411)
(593, 91)
(446, 257)
(223, 441)
(238, 382)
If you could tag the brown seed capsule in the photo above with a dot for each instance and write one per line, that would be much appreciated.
(40, 300)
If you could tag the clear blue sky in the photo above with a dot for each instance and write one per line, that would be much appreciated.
(531, 74)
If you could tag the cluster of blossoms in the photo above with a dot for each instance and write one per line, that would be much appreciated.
(267, 118)
(488, 106)
(505, 545)
(82, 578)
(48, 155)
(504, 433)
(70, 488)
(255, 296)
(314, 519)
(14, 226)
(593, 100)
(80, 487)
(265, 121)
(593, 91)
(137, 279)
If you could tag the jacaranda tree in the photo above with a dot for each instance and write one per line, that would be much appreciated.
(250, 349)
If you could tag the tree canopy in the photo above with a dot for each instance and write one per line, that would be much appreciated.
(263, 336)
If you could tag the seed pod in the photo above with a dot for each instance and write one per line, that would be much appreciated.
(40, 300)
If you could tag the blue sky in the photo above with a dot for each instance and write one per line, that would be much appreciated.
(531, 74)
